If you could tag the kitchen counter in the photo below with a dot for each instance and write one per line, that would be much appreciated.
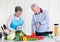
(45, 40)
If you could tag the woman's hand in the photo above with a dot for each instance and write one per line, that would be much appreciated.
(19, 27)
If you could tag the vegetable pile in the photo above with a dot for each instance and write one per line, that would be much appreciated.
(19, 36)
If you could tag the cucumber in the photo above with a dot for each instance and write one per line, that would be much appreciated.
(32, 39)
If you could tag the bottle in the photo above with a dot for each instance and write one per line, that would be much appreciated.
(56, 30)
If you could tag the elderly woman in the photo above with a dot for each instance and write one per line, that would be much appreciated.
(40, 20)
(15, 21)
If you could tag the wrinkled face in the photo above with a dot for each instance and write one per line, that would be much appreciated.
(35, 9)
(18, 13)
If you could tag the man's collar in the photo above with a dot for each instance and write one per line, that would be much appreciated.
(39, 12)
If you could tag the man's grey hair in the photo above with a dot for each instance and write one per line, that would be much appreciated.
(34, 5)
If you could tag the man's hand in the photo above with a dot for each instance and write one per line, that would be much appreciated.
(33, 31)
(37, 24)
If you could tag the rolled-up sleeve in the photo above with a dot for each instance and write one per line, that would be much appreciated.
(46, 18)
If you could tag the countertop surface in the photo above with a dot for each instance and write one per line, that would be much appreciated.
(44, 40)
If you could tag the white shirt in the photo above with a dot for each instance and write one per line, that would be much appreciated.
(10, 19)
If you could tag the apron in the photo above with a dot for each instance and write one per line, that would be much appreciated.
(15, 23)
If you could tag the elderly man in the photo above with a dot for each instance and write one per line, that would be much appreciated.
(40, 20)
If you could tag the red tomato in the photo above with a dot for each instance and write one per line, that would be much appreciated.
(33, 35)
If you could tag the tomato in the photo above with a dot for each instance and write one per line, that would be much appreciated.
(33, 35)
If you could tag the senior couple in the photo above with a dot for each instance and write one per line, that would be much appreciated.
(40, 20)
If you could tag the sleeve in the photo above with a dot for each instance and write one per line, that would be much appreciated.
(9, 22)
(46, 18)
(33, 25)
